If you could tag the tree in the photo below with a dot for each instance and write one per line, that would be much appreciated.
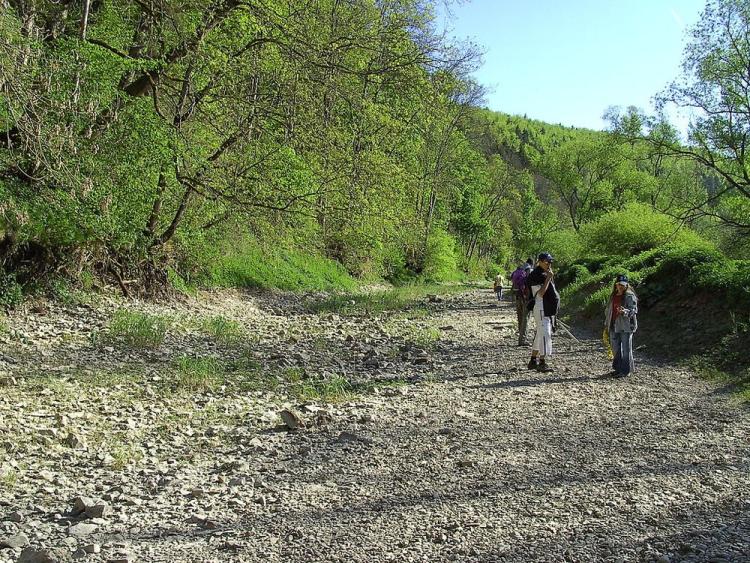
(715, 86)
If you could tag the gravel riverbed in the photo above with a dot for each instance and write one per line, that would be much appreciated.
(441, 447)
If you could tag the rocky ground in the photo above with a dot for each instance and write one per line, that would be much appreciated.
(417, 435)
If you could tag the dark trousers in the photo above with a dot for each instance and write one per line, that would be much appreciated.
(522, 314)
(622, 346)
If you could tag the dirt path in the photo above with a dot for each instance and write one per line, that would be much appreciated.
(458, 453)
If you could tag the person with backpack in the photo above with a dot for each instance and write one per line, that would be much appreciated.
(621, 318)
(545, 300)
(520, 297)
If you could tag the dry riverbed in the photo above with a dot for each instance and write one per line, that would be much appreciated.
(161, 433)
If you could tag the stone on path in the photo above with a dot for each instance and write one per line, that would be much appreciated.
(82, 530)
(34, 555)
(291, 419)
(15, 541)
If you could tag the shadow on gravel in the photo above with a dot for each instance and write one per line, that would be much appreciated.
(531, 382)
(695, 537)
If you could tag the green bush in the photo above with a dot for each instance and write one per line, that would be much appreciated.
(565, 245)
(11, 294)
(623, 233)
(728, 278)
(441, 259)
(663, 270)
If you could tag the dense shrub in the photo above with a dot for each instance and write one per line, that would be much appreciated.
(441, 258)
(565, 245)
(634, 229)
(10, 291)
(660, 270)
(728, 278)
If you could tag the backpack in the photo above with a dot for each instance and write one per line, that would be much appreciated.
(518, 280)
(552, 295)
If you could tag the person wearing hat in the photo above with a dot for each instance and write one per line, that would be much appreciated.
(546, 304)
(621, 319)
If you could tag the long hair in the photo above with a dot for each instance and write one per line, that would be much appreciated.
(628, 289)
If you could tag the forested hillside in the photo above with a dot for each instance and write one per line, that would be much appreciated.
(141, 136)
(295, 144)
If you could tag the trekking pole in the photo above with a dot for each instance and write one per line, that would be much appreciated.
(566, 329)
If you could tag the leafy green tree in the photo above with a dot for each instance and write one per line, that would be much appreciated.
(715, 85)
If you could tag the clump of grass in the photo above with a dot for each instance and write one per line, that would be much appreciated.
(197, 374)
(138, 330)
(334, 389)
(371, 386)
(426, 337)
(124, 453)
(8, 478)
(225, 331)
(246, 374)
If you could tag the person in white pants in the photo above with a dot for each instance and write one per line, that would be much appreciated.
(546, 300)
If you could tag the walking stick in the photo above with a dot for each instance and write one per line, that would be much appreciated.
(566, 329)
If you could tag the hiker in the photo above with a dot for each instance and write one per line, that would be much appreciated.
(621, 319)
(545, 299)
(497, 287)
(520, 297)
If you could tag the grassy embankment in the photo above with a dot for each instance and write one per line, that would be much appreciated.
(694, 301)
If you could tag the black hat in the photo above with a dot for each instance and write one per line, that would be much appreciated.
(622, 278)
(545, 257)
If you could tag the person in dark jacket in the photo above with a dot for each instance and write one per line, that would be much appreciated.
(621, 318)
(521, 300)
(546, 302)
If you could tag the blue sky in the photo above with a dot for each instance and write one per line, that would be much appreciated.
(566, 61)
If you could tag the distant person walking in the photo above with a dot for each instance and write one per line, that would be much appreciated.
(546, 304)
(621, 318)
(497, 287)
(521, 297)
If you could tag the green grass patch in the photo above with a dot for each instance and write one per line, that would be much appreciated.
(196, 374)
(123, 453)
(8, 478)
(247, 264)
(335, 389)
(223, 330)
(138, 330)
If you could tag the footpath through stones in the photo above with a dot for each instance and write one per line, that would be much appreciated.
(441, 447)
